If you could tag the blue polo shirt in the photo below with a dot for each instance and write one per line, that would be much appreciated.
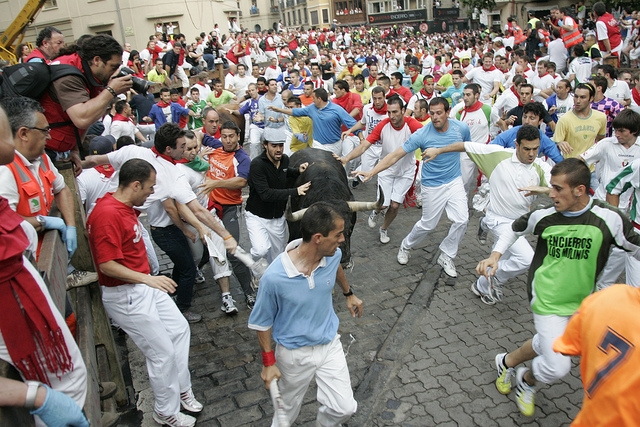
(549, 148)
(327, 122)
(446, 167)
(297, 308)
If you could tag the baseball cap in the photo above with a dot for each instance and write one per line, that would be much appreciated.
(102, 144)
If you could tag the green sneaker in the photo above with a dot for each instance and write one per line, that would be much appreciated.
(503, 383)
(525, 394)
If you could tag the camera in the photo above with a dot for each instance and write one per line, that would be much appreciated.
(139, 85)
(546, 18)
(589, 25)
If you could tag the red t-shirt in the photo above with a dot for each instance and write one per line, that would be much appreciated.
(404, 92)
(183, 119)
(116, 235)
(349, 102)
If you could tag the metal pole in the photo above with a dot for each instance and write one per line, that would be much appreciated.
(120, 21)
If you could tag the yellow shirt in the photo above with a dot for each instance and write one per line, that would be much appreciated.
(365, 95)
(300, 125)
(580, 133)
(356, 70)
(153, 76)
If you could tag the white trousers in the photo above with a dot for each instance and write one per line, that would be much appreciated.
(514, 261)
(451, 198)
(395, 188)
(370, 157)
(348, 144)
(256, 136)
(549, 366)
(619, 259)
(469, 172)
(220, 265)
(152, 257)
(270, 54)
(314, 48)
(149, 132)
(268, 236)
(182, 76)
(335, 147)
(328, 365)
(154, 323)
(73, 383)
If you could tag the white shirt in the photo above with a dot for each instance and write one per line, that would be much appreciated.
(613, 157)
(619, 91)
(9, 186)
(370, 119)
(241, 84)
(203, 90)
(558, 54)
(170, 182)
(145, 55)
(392, 139)
(228, 82)
(564, 105)
(119, 128)
(581, 69)
(270, 73)
(194, 178)
(508, 174)
(485, 79)
(476, 120)
(92, 185)
(506, 102)
(603, 34)
(541, 83)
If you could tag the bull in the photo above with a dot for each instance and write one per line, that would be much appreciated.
(328, 184)
(224, 115)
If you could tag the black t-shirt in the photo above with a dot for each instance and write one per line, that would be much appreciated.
(324, 68)
(519, 111)
(171, 60)
(141, 105)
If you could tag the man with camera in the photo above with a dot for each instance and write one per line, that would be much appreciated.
(74, 102)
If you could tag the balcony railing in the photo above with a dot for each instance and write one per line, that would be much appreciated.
(274, 9)
(301, 2)
(254, 11)
(290, 3)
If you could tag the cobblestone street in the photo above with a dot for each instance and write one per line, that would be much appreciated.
(421, 355)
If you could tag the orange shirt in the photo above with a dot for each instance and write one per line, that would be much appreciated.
(306, 100)
(605, 331)
(226, 165)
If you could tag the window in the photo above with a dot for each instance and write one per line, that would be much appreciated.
(300, 16)
(314, 17)
(306, 17)
(289, 17)
(325, 16)
(51, 4)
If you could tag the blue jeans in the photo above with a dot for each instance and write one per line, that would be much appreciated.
(174, 243)
(209, 59)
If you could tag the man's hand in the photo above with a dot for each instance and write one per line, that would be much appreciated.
(208, 186)
(74, 156)
(365, 176)
(189, 234)
(354, 304)
(60, 410)
(147, 119)
(340, 159)
(510, 120)
(487, 267)
(345, 134)
(564, 147)
(302, 190)
(55, 223)
(535, 190)
(205, 151)
(230, 245)
(121, 84)
(303, 167)
(268, 374)
(203, 232)
(71, 239)
(430, 154)
(163, 283)
(553, 109)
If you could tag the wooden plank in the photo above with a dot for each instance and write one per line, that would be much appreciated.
(13, 416)
(81, 299)
(52, 265)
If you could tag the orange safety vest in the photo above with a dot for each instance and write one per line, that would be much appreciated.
(33, 201)
(571, 38)
(518, 35)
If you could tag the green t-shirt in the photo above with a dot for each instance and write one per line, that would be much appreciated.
(197, 123)
(224, 98)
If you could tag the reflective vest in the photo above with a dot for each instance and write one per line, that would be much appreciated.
(33, 201)
(571, 38)
(590, 51)
(64, 134)
(613, 32)
(37, 53)
(546, 36)
(518, 34)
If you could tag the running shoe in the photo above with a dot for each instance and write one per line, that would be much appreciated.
(81, 278)
(503, 383)
(482, 233)
(177, 420)
(199, 276)
(525, 394)
(384, 237)
(373, 219)
(483, 297)
(403, 255)
(189, 402)
(229, 305)
(251, 300)
(447, 265)
(495, 288)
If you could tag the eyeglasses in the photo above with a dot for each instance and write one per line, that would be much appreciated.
(46, 131)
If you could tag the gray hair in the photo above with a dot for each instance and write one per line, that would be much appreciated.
(21, 112)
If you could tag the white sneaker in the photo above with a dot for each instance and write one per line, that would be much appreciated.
(199, 276)
(384, 237)
(189, 402)
(373, 219)
(177, 420)
(229, 305)
(447, 265)
(403, 255)
(81, 278)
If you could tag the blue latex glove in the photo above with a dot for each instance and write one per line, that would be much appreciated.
(70, 237)
(60, 410)
(55, 223)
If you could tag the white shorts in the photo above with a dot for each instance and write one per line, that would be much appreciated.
(394, 187)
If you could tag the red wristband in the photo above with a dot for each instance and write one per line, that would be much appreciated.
(268, 358)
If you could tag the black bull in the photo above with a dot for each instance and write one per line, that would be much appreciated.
(328, 184)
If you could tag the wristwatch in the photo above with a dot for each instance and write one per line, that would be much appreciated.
(41, 220)
(32, 390)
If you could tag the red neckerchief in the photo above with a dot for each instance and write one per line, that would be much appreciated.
(475, 107)
(164, 156)
(413, 79)
(105, 170)
(493, 67)
(541, 76)
(350, 69)
(182, 160)
(121, 118)
(382, 110)
(272, 66)
(371, 81)
(528, 69)
(505, 71)
(31, 334)
(218, 94)
(425, 94)
(515, 92)
(391, 93)
(163, 104)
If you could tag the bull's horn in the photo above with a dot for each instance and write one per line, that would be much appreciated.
(367, 206)
(293, 216)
